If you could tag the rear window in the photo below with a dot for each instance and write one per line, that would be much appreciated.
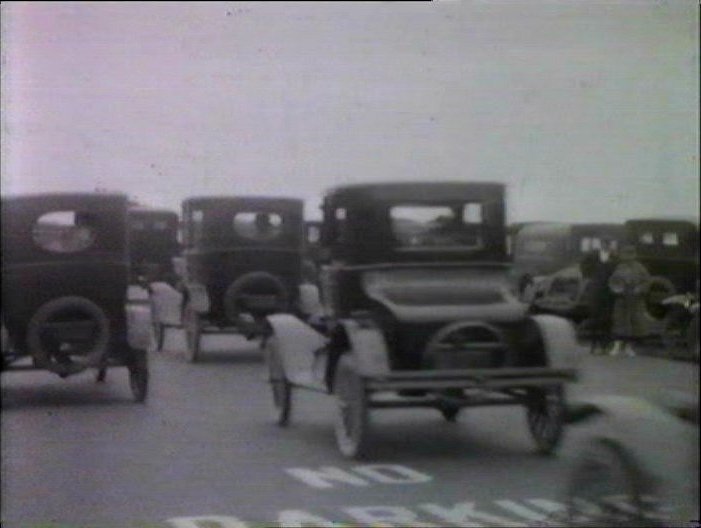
(258, 225)
(670, 239)
(64, 231)
(438, 226)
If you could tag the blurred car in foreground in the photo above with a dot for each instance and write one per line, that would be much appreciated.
(637, 463)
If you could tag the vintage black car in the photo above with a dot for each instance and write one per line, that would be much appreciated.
(243, 261)
(544, 248)
(417, 311)
(669, 249)
(153, 242)
(65, 269)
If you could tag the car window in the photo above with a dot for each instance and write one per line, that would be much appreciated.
(258, 225)
(647, 238)
(430, 226)
(64, 231)
(196, 225)
(313, 234)
(670, 238)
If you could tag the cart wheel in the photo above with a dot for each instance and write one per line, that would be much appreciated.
(280, 386)
(138, 375)
(545, 413)
(605, 489)
(352, 410)
(193, 332)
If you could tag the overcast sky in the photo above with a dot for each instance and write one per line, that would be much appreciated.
(588, 111)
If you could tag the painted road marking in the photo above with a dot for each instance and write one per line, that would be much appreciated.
(501, 513)
(329, 476)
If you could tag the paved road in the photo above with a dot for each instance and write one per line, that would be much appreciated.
(203, 447)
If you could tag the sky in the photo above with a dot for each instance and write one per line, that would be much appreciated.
(588, 111)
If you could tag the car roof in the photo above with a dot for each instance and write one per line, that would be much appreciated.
(61, 196)
(664, 220)
(242, 199)
(416, 191)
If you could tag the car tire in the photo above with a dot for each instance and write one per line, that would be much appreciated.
(658, 289)
(675, 327)
(545, 412)
(43, 315)
(251, 280)
(352, 416)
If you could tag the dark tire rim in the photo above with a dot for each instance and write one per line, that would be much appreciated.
(351, 413)
(545, 414)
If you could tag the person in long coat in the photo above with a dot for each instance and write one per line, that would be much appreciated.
(597, 267)
(629, 284)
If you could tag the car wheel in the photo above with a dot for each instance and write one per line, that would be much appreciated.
(138, 375)
(352, 423)
(658, 289)
(193, 332)
(605, 489)
(545, 414)
(279, 385)
(674, 328)
(65, 354)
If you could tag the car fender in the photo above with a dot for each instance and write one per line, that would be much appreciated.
(297, 343)
(559, 341)
(368, 346)
(663, 447)
(139, 326)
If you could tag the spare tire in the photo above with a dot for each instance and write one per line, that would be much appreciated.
(258, 293)
(68, 334)
(658, 289)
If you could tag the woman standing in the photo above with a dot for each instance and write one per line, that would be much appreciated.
(628, 283)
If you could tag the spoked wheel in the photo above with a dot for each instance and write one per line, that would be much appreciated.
(279, 385)
(605, 490)
(138, 375)
(545, 414)
(352, 423)
(193, 332)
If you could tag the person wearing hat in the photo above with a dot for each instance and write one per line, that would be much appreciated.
(597, 266)
(628, 283)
